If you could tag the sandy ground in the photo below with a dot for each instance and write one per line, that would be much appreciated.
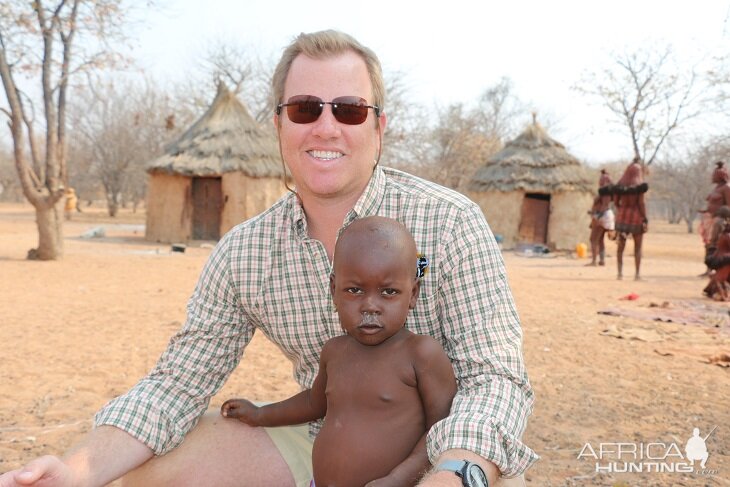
(77, 332)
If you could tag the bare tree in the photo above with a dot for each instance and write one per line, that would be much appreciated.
(460, 147)
(244, 70)
(499, 110)
(464, 138)
(9, 187)
(679, 189)
(121, 128)
(49, 44)
(407, 135)
(680, 186)
(649, 96)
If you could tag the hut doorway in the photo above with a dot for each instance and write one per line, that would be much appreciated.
(207, 205)
(534, 218)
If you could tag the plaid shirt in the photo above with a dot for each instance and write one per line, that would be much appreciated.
(267, 274)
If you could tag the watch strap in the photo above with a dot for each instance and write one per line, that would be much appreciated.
(456, 466)
(460, 468)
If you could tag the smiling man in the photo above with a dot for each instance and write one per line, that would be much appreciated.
(271, 274)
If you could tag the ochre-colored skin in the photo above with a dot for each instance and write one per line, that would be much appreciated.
(719, 196)
(598, 247)
(721, 275)
(380, 387)
(628, 203)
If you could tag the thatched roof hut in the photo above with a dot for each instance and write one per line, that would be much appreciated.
(221, 171)
(534, 192)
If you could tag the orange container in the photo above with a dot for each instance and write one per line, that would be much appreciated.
(582, 250)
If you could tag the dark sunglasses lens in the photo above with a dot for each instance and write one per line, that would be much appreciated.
(304, 109)
(350, 110)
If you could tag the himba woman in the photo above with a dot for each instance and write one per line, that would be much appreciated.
(719, 196)
(602, 220)
(630, 213)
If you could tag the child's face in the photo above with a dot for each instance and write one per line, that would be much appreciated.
(373, 289)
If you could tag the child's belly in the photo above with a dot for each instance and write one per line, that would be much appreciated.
(353, 449)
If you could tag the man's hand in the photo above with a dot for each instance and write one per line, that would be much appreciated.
(105, 454)
(45, 471)
(242, 410)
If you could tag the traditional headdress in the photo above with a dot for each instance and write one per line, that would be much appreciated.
(605, 179)
(632, 175)
(720, 173)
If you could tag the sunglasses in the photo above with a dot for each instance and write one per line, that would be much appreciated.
(350, 110)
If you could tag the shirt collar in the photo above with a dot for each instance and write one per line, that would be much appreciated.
(370, 199)
(366, 205)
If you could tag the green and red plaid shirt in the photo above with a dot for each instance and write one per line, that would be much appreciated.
(266, 274)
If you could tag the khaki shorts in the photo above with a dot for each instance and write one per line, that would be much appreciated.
(295, 446)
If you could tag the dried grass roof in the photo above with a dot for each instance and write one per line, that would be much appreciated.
(225, 139)
(533, 162)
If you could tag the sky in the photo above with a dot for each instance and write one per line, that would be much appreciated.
(452, 50)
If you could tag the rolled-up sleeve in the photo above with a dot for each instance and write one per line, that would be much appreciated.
(161, 408)
(483, 338)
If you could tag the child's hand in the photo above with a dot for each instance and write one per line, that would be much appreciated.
(242, 410)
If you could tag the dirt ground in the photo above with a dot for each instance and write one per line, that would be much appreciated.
(77, 332)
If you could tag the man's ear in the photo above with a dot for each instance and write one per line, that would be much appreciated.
(414, 293)
(382, 122)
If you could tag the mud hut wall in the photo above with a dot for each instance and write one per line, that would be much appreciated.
(246, 197)
(169, 208)
(502, 209)
(569, 219)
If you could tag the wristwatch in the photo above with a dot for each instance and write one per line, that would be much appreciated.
(470, 473)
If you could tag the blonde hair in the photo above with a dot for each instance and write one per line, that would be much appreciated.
(321, 45)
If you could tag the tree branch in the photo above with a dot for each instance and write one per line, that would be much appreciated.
(16, 128)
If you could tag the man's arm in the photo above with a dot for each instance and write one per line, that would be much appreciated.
(166, 404)
(482, 337)
(104, 455)
(447, 478)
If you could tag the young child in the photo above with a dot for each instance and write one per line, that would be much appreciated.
(380, 387)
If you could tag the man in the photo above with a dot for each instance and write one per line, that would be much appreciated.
(271, 273)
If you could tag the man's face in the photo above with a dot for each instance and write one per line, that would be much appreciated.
(329, 159)
(373, 289)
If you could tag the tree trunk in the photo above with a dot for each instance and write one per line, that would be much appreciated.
(50, 232)
(113, 208)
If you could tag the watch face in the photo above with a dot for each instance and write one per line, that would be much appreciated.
(476, 475)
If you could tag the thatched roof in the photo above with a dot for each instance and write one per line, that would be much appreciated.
(225, 139)
(533, 162)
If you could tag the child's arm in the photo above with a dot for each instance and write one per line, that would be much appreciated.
(308, 405)
(437, 387)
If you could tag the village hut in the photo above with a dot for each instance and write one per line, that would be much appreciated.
(534, 192)
(221, 171)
